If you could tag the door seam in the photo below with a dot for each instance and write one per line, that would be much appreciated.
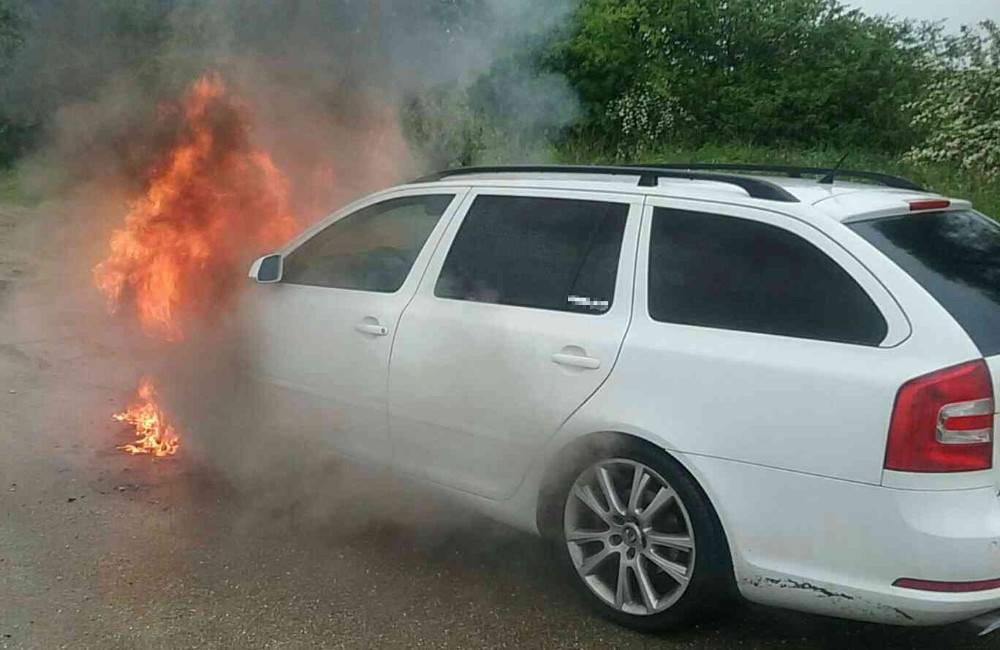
(461, 196)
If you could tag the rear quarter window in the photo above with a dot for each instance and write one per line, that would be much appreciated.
(955, 256)
(731, 273)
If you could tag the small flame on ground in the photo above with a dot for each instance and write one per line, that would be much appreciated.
(153, 433)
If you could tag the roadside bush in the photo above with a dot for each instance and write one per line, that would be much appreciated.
(444, 128)
(13, 135)
(453, 126)
(644, 117)
(960, 113)
(804, 72)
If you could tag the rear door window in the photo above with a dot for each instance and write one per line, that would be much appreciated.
(546, 253)
(955, 256)
(731, 273)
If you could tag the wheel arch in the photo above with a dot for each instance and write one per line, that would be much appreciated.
(563, 462)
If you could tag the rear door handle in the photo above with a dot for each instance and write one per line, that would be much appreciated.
(576, 361)
(371, 327)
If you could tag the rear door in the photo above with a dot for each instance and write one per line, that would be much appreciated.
(324, 333)
(518, 320)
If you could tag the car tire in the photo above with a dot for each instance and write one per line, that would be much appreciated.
(630, 559)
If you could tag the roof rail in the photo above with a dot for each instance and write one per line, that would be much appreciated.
(796, 171)
(757, 188)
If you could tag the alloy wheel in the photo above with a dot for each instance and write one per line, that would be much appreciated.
(629, 536)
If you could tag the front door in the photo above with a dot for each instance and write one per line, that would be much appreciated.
(518, 321)
(324, 332)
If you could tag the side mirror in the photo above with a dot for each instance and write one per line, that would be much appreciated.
(267, 269)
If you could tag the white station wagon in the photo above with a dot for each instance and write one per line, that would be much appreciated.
(697, 381)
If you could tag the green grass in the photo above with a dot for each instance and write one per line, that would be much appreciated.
(982, 191)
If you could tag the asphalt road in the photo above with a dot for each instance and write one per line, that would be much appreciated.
(102, 550)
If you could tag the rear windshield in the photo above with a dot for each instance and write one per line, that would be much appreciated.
(955, 256)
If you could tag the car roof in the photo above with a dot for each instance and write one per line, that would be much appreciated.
(840, 201)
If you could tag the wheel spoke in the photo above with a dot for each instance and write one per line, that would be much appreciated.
(640, 479)
(681, 542)
(673, 569)
(586, 495)
(623, 591)
(585, 536)
(591, 563)
(608, 488)
(649, 597)
(664, 496)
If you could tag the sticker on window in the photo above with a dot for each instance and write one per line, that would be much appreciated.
(589, 303)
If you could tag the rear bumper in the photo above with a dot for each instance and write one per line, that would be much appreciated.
(836, 547)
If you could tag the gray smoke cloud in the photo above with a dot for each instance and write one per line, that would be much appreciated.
(365, 91)
(346, 96)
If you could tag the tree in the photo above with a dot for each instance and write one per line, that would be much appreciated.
(757, 71)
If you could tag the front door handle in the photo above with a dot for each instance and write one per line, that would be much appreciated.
(576, 360)
(371, 327)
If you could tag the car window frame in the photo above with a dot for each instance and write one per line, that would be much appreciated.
(621, 302)
(897, 325)
(419, 265)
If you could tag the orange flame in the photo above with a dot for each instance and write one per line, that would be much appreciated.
(212, 201)
(154, 435)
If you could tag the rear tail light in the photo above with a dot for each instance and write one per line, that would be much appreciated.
(943, 422)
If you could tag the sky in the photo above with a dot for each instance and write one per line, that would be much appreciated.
(956, 12)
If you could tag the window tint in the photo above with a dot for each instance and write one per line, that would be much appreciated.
(557, 254)
(955, 256)
(369, 250)
(737, 274)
